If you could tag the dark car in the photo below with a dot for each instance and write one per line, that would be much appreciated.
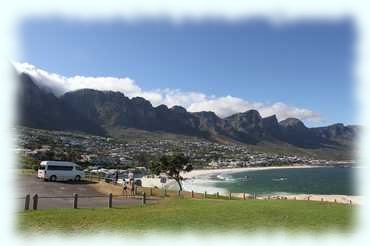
(108, 178)
(138, 182)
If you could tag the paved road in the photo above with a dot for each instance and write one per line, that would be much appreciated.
(29, 184)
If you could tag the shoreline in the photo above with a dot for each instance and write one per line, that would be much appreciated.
(200, 172)
(152, 182)
(172, 185)
(343, 199)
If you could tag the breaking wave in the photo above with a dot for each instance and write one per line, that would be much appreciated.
(280, 179)
(209, 183)
(203, 183)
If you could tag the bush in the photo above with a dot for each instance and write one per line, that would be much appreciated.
(28, 163)
(35, 167)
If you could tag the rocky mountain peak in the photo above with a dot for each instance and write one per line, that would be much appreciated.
(292, 123)
(206, 114)
(270, 122)
(139, 101)
(179, 109)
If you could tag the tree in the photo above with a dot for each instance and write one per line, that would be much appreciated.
(172, 165)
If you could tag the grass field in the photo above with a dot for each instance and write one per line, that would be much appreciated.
(196, 215)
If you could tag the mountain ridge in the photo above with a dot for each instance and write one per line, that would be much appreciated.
(97, 112)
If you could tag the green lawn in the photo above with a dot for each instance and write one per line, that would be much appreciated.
(197, 215)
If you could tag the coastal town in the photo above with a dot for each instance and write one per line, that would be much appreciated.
(124, 153)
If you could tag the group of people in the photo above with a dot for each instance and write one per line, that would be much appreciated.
(127, 186)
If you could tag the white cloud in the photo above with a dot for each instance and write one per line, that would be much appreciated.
(228, 105)
(224, 106)
(284, 111)
(59, 84)
(193, 101)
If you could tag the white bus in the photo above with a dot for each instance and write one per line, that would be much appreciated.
(60, 170)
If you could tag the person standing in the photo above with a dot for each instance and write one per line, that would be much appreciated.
(116, 177)
(132, 181)
(124, 188)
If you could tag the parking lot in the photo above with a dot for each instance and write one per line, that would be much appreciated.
(60, 194)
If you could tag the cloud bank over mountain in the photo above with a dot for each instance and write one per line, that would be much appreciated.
(193, 101)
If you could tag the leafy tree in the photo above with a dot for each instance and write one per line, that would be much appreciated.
(172, 165)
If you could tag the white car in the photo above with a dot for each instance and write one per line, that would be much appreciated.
(60, 170)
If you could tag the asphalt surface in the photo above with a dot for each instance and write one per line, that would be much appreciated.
(63, 191)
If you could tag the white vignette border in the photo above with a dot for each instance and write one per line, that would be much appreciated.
(279, 11)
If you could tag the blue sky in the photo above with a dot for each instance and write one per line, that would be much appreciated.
(304, 65)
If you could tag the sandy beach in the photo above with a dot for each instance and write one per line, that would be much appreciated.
(344, 199)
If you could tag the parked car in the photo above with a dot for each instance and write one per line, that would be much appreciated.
(138, 182)
(60, 170)
(108, 178)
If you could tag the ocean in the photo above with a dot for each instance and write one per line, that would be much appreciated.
(320, 180)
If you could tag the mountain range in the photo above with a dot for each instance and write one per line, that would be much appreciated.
(98, 112)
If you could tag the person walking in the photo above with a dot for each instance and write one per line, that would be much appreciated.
(124, 188)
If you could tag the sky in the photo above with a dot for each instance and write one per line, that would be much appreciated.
(301, 69)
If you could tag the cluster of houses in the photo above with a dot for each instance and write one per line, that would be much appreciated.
(108, 152)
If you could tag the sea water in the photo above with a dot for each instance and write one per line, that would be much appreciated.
(321, 180)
